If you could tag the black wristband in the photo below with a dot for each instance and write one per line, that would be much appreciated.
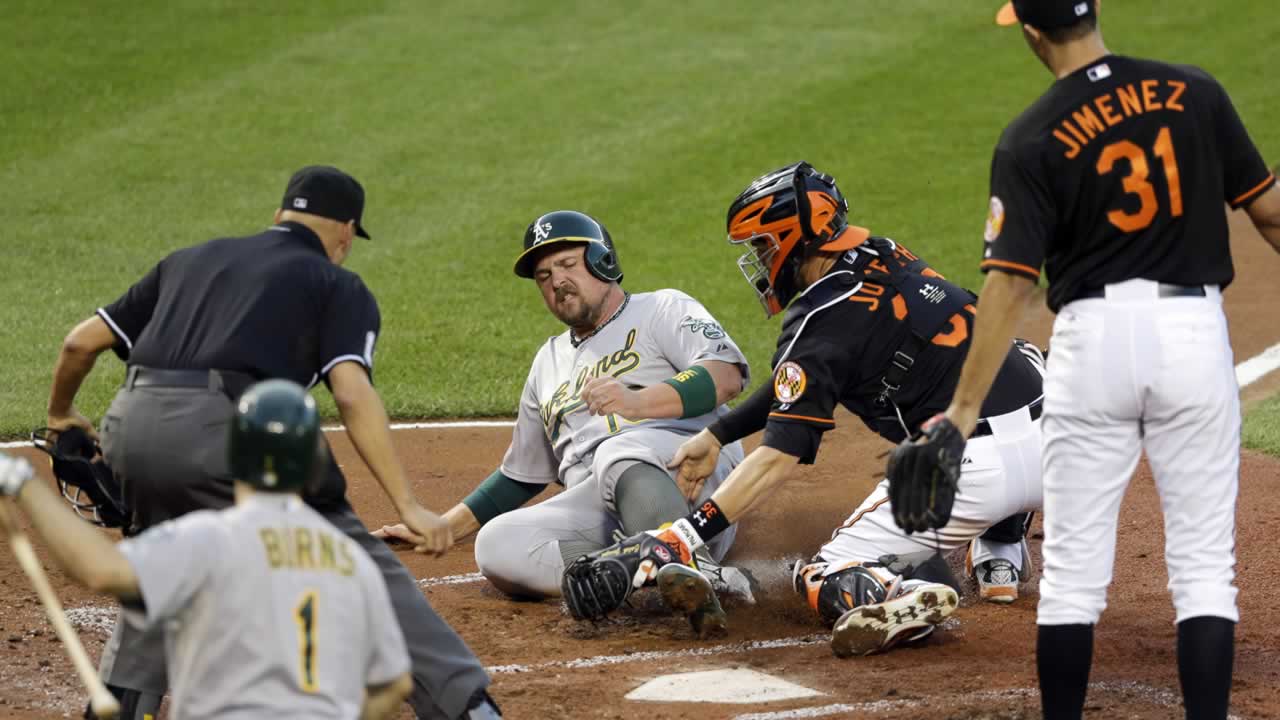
(708, 520)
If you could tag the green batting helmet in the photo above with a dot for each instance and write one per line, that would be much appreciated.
(570, 226)
(275, 436)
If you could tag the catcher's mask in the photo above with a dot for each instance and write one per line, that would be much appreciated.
(570, 226)
(83, 476)
(785, 216)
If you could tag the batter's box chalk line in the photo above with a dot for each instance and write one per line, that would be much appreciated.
(450, 580)
(653, 655)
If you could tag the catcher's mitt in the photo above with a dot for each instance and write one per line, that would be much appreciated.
(596, 584)
(924, 473)
(84, 478)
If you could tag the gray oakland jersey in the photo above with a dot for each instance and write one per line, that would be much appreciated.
(269, 611)
(654, 336)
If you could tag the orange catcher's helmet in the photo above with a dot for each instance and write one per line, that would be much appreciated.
(785, 216)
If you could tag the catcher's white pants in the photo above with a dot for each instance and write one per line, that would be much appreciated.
(1000, 477)
(1129, 372)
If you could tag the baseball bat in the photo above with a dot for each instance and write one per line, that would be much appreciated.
(100, 698)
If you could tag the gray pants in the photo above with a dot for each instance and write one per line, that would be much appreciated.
(168, 448)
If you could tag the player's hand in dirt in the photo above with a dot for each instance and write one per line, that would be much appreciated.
(608, 396)
(71, 419)
(694, 462)
(394, 534)
(430, 532)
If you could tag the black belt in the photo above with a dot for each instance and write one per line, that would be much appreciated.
(1166, 291)
(984, 428)
(226, 381)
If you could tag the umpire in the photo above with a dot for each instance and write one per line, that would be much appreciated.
(196, 331)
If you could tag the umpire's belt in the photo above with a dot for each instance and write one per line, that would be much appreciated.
(1164, 290)
(1034, 410)
(230, 382)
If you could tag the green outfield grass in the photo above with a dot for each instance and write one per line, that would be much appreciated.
(1262, 427)
(130, 129)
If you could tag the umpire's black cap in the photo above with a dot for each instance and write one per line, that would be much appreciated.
(328, 192)
(1046, 14)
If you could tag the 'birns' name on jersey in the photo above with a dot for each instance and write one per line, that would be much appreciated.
(1113, 108)
(301, 548)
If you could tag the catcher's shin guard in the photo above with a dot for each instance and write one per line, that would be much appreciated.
(833, 590)
(688, 591)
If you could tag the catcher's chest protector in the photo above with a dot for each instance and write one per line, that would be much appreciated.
(931, 300)
(931, 304)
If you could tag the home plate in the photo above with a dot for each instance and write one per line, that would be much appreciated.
(720, 686)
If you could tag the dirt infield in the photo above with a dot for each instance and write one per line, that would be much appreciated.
(544, 665)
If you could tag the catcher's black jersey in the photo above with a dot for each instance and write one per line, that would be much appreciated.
(1119, 171)
(271, 305)
(839, 339)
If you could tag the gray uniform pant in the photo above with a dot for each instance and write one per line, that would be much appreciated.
(168, 448)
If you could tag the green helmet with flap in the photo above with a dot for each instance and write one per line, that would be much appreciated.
(275, 437)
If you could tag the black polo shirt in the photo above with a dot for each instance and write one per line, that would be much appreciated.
(271, 305)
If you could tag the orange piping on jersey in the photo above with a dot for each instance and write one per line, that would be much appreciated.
(859, 516)
(1262, 186)
(1019, 267)
(802, 417)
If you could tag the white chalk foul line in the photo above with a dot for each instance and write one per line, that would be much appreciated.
(1257, 366)
(1247, 373)
(599, 660)
(450, 580)
(1156, 696)
(428, 425)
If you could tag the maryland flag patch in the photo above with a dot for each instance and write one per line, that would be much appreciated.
(789, 382)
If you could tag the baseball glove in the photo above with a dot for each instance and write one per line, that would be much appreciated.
(596, 584)
(924, 474)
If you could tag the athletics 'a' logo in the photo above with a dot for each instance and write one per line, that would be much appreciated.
(541, 232)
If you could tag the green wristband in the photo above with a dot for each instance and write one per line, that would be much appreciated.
(499, 494)
(697, 391)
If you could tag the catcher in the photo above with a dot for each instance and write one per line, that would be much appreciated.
(875, 329)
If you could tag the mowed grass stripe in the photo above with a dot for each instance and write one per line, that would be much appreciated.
(466, 120)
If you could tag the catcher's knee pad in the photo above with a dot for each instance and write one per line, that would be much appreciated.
(833, 590)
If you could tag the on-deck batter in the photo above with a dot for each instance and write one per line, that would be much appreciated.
(269, 610)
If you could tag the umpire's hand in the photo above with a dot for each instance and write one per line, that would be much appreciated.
(431, 533)
(73, 418)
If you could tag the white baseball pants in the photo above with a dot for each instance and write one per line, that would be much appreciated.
(1130, 372)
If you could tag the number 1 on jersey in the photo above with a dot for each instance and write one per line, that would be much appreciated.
(1136, 183)
(305, 616)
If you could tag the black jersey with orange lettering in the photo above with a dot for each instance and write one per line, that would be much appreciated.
(839, 339)
(1119, 171)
